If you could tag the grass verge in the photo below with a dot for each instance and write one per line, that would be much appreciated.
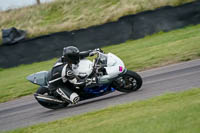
(170, 113)
(152, 51)
(62, 15)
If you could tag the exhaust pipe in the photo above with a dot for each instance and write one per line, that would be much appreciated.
(47, 99)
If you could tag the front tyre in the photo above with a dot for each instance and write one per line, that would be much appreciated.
(48, 104)
(130, 81)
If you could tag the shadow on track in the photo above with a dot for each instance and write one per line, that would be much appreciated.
(86, 102)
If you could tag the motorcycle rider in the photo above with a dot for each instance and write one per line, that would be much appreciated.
(62, 77)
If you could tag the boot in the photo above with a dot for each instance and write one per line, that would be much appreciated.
(68, 95)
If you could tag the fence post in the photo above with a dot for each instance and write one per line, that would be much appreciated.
(38, 2)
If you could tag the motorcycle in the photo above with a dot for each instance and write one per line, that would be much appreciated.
(114, 76)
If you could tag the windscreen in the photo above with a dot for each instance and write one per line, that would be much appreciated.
(102, 59)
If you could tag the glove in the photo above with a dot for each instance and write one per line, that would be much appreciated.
(99, 50)
(92, 53)
(70, 75)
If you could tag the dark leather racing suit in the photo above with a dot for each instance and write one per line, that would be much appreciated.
(59, 78)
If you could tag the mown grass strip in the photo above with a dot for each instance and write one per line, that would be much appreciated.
(152, 51)
(62, 15)
(176, 112)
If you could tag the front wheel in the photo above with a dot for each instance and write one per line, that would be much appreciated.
(130, 81)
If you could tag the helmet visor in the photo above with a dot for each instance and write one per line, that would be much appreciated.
(74, 59)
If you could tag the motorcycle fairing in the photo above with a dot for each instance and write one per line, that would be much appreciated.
(84, 68)
(39, 78)
(99, 90)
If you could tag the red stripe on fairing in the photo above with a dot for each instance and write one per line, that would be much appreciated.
(120, 68)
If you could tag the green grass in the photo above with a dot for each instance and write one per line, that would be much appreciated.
(13, 81)
(170, 113)
(63, 15)
(159, 49)
(152, 51)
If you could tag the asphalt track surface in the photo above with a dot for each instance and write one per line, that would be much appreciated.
(178, 77)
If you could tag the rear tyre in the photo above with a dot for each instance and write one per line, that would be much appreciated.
(129, 82)
(44, 91)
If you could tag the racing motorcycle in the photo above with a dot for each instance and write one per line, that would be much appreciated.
(122, 80)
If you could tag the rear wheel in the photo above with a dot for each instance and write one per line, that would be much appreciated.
(130, 81)
(51, 105)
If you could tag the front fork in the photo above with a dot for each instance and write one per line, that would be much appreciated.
(119, 81)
